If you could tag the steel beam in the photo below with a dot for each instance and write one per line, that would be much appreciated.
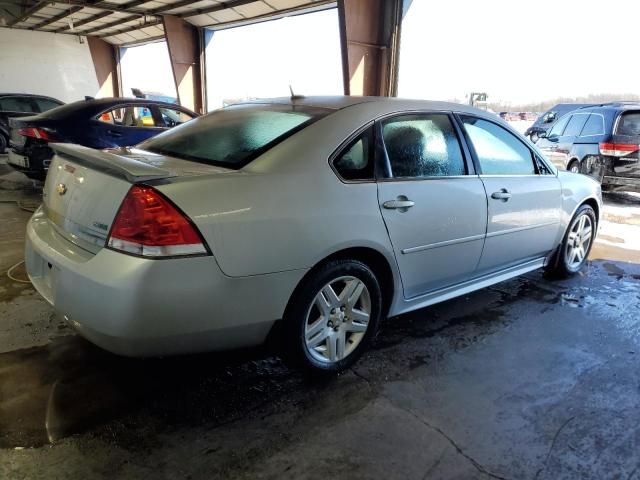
(183, 40)
(369, 31)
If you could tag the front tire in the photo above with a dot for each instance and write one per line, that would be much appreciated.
(332, 317)
(574, 167)
(577, 242)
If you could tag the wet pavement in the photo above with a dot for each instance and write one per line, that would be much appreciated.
(528, 379)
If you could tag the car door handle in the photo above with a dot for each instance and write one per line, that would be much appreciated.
(400, 204)
(503, 195)
(113, 133)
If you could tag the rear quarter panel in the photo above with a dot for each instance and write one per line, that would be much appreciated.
(576, 190)
(286, 210)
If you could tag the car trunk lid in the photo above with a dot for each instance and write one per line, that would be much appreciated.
(85, 188)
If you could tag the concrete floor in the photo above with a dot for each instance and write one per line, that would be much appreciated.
(529, 379)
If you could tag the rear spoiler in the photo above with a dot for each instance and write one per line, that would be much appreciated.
(119, 166)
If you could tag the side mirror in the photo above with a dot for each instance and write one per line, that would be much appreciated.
(550, 118)
(542, 134)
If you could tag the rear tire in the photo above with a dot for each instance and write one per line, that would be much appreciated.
(574, 250)
(574, 166)
(332, 317)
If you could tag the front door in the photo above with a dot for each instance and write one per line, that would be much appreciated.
(551, 145)
(523, 196)
(434, 210)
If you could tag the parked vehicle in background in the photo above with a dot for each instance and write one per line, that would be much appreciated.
(19, 105)
(96, 123)
(601, 141)
(305, 220)
(545, 121)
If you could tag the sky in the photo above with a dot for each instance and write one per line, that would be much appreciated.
(516, 51)
(519, 51)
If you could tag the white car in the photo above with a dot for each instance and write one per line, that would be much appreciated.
(310, 219)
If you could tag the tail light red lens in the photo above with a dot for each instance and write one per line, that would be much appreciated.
(618, 149)
(39, 133)
(148, 224)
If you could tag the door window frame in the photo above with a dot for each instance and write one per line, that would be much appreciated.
(535, 157)
(348, 143)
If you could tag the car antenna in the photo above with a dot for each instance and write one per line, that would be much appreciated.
(293, 95)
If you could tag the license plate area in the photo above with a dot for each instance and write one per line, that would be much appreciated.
(18, 160)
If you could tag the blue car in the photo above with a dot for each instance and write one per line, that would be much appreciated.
(96, 123)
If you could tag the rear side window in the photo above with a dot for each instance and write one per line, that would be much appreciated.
(233, 136)
(355, 162)
(574, 127)
(499, 152)
(629, 124)
(45, 104)
(17, 104)
(422, 145)
(594, 126)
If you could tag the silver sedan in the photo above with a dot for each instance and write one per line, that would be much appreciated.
(307, 219)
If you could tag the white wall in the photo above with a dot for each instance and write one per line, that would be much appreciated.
(46, 64)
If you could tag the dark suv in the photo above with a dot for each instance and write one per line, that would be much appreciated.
(602, 141)
(545, 121)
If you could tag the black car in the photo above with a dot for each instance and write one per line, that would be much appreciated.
(18, 105)
(602, 141)
(548, 119)
(96, 123)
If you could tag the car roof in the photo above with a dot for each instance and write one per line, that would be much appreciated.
(31, 95)
(382, 104)
(93, 106)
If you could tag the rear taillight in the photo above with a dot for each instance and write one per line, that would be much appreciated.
(618, 149)
(39, 133)
(149, 225)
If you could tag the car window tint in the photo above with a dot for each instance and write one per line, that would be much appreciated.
(422, 145)
(593, 126)
(629, 124)
(173, 117)
(17, 104)
(233, 136)
(499, 151)
(45, 104)
(574, 127)
(355, 162)
(558, 128)
(129, 116)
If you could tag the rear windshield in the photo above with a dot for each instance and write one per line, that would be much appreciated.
(233, 136)
(629, 124)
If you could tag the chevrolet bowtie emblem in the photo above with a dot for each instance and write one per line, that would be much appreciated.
(61, 188)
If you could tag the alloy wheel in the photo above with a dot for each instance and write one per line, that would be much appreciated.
(578, 242)
(337, 319)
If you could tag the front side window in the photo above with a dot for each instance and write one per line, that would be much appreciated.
(233, 136)
(45, 104)
(558, 128)
(594, 125)
(574, 127)
(355, 162)
(130, 116)
(499, 152)
(422, 145)
(172, 117)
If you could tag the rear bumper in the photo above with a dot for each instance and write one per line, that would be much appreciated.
(621, 183)
(32, 161)
(140, 307)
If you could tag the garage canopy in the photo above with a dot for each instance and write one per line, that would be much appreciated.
(123, 22)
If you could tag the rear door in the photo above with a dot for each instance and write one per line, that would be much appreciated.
(433, 204)
(523, 195)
